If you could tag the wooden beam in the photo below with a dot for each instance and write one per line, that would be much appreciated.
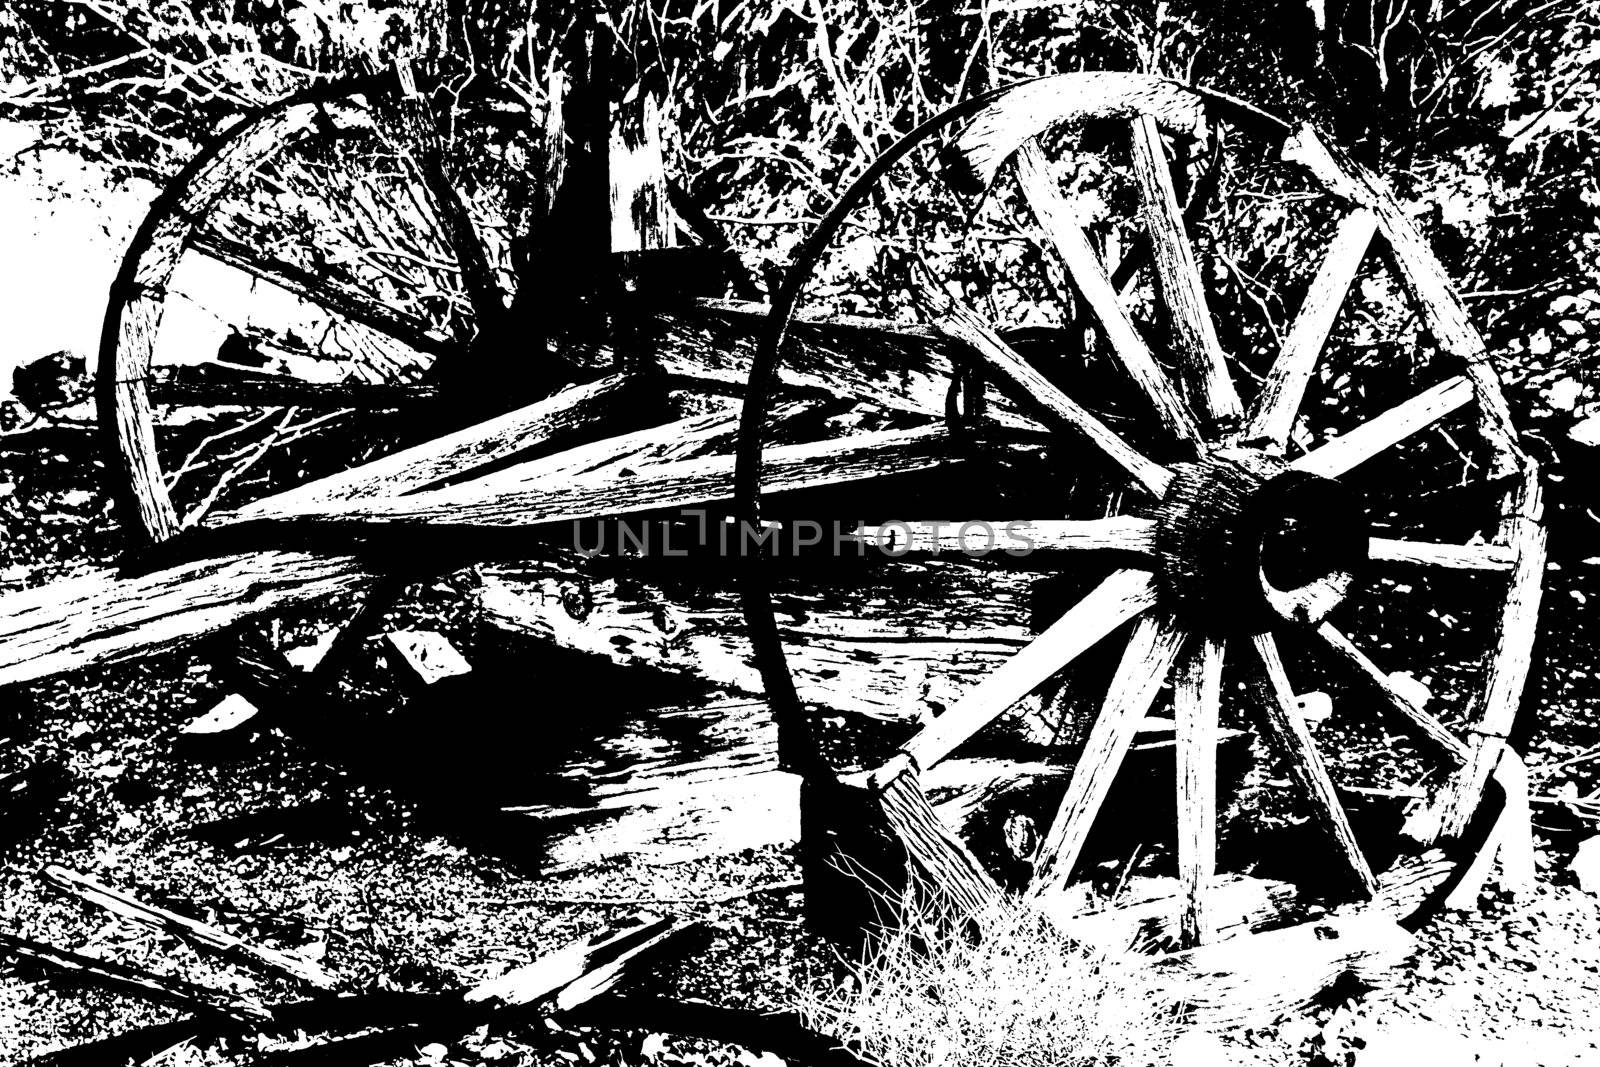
(1196, 702)
(1017, 378)
(1123, 595)
(1210, 386)
(885, 650)
(199, 933)
(104, 616)
(504, 499)
(1293, 737)
(1055, 217)
(1151, 651)
(1348, 451)
(1489, 557)
(1284, 391)
(581, 970)
(572, 413)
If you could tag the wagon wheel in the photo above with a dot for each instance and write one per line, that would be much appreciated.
(1233, 540)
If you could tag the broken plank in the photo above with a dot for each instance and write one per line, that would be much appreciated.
(565, 416)
(130, 907)
(1254, 980)
(125, 978)
(505, 499)
(577, 971)
(104, 616)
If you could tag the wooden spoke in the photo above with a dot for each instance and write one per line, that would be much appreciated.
(1196, 700)
(1206, 369)
(1424, 723)
(1294, 737)
(1121, 533)
(1151, 651)
(1285, 387)
(337, 299)
(1072, 245)
(1343, 454)
(508, 498)
(1113, 602)
(570, 411)
(1451, 557)
(1025, 385)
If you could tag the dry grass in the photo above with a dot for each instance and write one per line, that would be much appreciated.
(1020, 995)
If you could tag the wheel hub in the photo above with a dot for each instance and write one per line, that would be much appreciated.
(1245, 542)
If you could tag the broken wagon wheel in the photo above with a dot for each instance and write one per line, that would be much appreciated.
(330, 215)
(1233, 538)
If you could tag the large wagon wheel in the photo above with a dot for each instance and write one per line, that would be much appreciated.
(1230, 541)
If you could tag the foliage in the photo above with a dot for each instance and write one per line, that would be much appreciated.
(1020, 994)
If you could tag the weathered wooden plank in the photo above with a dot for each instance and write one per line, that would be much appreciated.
(1113, 602)
(1210, 387)
(104, 616)
(1285, 388)
(579, 971)
(1348, 451)
(569, 414)
(1055, 216)
(1254, 980)
(1196, 702)
(1033, 391)
(1120, 533)
(896, 652)
(1419, 719)
(1488, 557)
(170, 922)
(1151, 651)
(1293, 736)
(1149, 914)
(504, 498)
(121, 977)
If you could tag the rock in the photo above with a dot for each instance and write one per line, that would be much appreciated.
(1585, 866)
(306, 657)
(427, 656)
(231, 712)
(1315, 707)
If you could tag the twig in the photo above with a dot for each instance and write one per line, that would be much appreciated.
(136, 980)
(131, 907)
